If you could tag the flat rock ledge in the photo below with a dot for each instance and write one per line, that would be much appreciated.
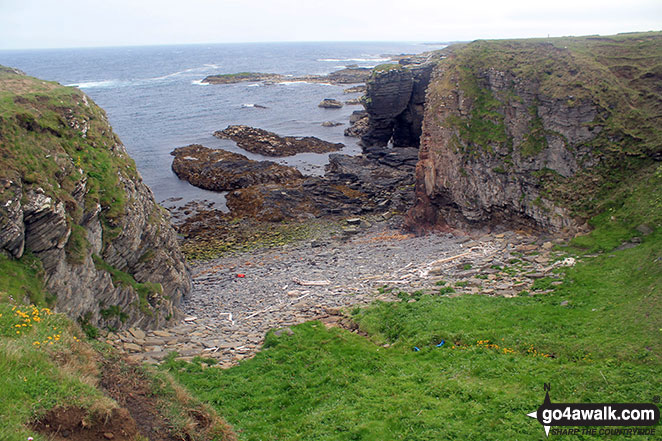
(350, 75)
(220, 170)
(267, 143)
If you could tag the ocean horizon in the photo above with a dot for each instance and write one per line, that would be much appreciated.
(155, 99)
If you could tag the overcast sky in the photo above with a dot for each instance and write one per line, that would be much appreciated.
(77, 23)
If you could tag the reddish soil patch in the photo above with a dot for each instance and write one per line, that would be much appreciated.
(70, 423)
(127, 385)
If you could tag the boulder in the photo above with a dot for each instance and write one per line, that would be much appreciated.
(328, 103)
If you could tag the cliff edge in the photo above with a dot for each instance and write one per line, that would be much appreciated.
(73, 204)
(536, 133)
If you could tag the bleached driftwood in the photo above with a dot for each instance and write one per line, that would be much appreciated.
(311, 282)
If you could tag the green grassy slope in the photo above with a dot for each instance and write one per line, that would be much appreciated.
(46, 363)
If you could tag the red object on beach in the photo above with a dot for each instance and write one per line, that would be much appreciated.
(241, 276)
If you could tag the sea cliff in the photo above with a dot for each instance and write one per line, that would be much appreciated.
(73, 206)
(535, 133)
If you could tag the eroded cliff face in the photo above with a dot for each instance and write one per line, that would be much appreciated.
(71, 196)
(394, 101)
(531, 134)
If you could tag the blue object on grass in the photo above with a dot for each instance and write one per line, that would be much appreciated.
(416, 349)
(441, 344)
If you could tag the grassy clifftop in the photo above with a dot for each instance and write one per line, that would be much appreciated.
(56, 384)
(555, 124)
(622, 74)
(53, 137)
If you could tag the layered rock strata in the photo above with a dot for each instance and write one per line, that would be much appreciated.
(530, 134)
(107, 250)
(395, 100)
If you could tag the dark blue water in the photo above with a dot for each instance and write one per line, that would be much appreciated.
(155, 101)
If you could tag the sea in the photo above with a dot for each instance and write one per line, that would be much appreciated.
(155, 99)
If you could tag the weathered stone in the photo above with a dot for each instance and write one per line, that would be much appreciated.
(356, 89)
(251, 77)
(144, 247)
(349, 75)
(328, 103)
(395, 101)
(137, 333)
(218, 170)
(451, 187)
(358, 128)
(132, 347)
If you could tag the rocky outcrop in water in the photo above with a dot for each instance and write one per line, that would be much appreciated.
(269, 144)
(350, 75)
(358, 121)
(107, 250)
(328, 103)
(356, 89)
(220, 170)
(242, 77)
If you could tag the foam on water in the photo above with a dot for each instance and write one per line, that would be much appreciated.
(95, 84)
(356, 60)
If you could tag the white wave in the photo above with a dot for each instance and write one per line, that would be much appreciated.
(356, 60)
(203, 68)
(94, 84)
(287, 83)
(199, 83)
